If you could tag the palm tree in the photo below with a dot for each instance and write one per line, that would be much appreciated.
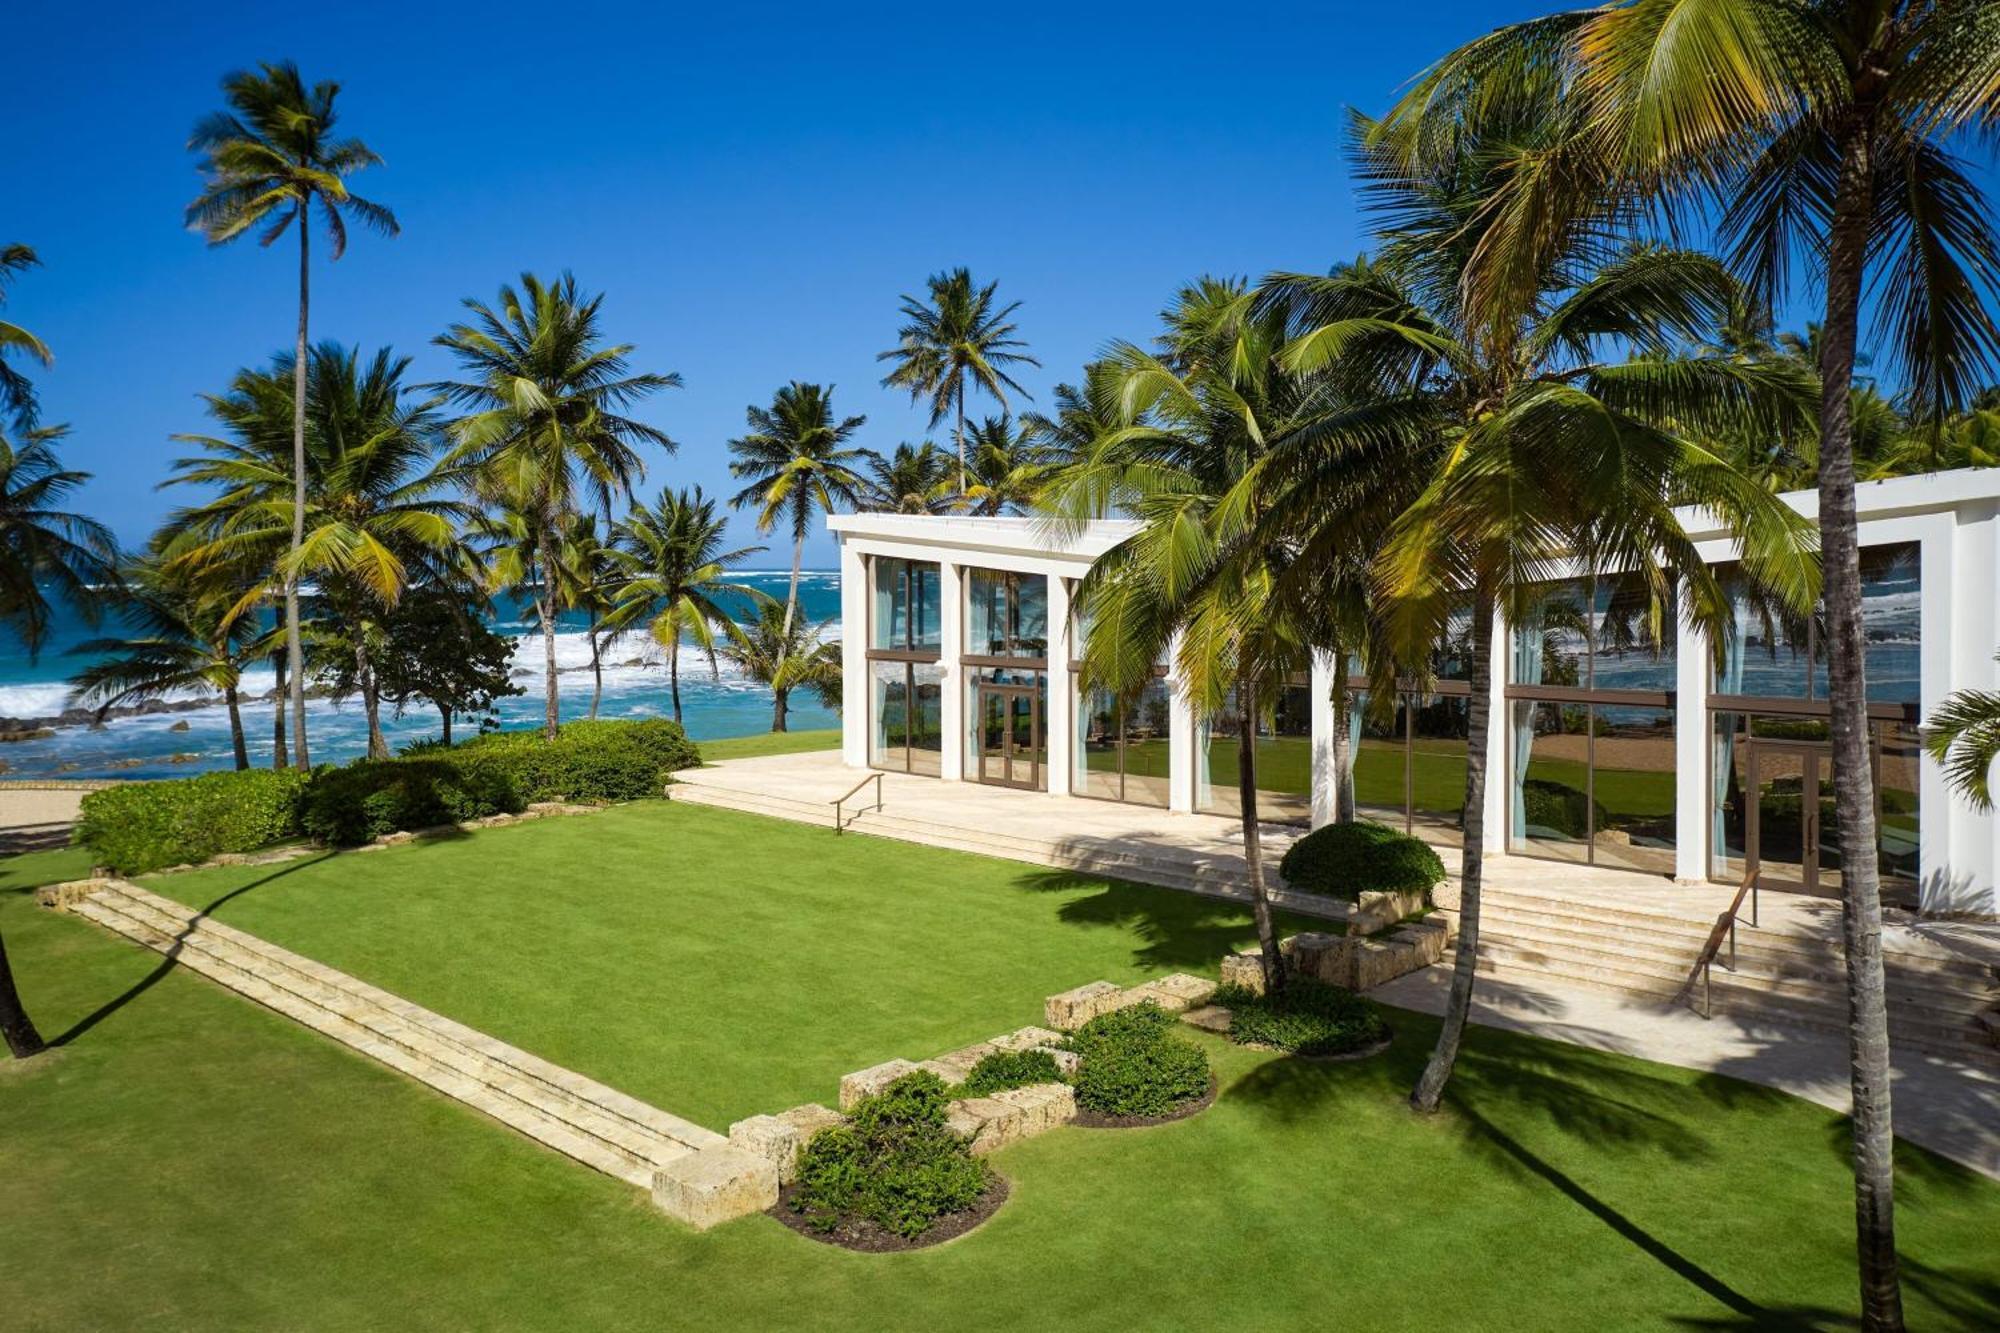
(587, 581)
(1823, 135)
(958, 336)
(1551, 451)
(796, 463)
(265, 163)
(1963, 736)
(17, 394)
(43, 550)
(186, 640)
(378, 512)
(1082, 415)
(785, 655)
(1009, 468)
(545, 430)
(915, 479)
(672, 572)
(1205, 413)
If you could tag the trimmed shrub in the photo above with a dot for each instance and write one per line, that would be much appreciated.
(1560, 809)
(140, 826)
(1132, 1063)
(1309, 1018)
(895, 1163)
(1009, 1069)
(363, 801)
(587, 761)
(1347, 860)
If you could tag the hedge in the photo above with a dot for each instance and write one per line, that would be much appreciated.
(1009, 1069)
(141, 826)
(1346, 860)
(363, 801)
(587, 761)
(895, 1163)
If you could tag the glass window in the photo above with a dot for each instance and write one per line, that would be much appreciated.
(1550, 773)
(889, 714)
(1095, 771)
(1891, 593)
(1283, 754)
(1381, 760)
(1633, 640)
(926, 718)
(905, 604)
(1632, 785)
(1439, 724)
(1896, 786)
(1123, 745)
(1453, 658)
(1007, 614)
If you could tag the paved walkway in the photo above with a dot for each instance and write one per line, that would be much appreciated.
(1951, 1108)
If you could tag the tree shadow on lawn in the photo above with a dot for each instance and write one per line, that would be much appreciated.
(1177, 929)
(172, 955)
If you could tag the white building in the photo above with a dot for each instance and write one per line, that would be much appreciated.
(1612, 745)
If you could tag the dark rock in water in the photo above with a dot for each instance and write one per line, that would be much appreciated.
(182, 725)
(28, 733)
(152, 706)
(124, 763)
(183, 758)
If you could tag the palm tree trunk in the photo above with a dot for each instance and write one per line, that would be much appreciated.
(280, 757)
(596, 670)
(960, 433)
(792, 595)
(371, 699)
(545, 608)
(236, 740)
(1853, 784)
(1343, 746)
(674, 674)
(294, 649)
(1458, 1006)
(22, 1039)
(1253, 843)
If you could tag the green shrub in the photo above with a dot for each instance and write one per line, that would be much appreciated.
(1309, 1018)
(1132, 1064)
(587, 761)
(140, 826)
(1558, 808)
(895, 1163)
(1009, 1069)
(364, 800)
(1346, 860)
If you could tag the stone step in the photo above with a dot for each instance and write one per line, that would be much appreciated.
(1921, 992)
(399, 1038)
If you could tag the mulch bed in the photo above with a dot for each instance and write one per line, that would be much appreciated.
(1089, 1119)
(1363, 1053)
(871, 1238)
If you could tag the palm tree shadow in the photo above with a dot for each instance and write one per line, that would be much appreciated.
(172, 954)
(1175, 928)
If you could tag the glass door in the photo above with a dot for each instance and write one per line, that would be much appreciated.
(1787, 828)
(1010, 735)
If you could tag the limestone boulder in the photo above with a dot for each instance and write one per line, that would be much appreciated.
(780, 1139)
(1073, 1008)
(865, 1083)
(1245, 970)
(1174, 993)
(1377, 911)
(715, 1185)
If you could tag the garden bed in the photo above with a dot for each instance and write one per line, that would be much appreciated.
(868, 1237)
(1088, 1119)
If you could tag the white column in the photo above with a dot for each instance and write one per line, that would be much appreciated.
(951, 703)
(854, 683)
(1323, 776)
(1692, 781)
(1059, 721)
(1957, 846)
(1497, 727)
(1181, 745)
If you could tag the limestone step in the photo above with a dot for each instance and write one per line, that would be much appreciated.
(405, 1037)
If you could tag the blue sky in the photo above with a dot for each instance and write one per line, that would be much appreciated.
(752, 187)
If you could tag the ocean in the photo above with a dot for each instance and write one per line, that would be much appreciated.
(176, 744)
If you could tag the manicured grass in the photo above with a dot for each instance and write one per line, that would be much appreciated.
(190, 1160)
(770, 742)
(716, 963)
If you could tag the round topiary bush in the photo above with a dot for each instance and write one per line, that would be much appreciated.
(895, 1167)
(1308, 1018)
(1132, 1065)
(1347, 860)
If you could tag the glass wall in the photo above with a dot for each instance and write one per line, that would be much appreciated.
(1005, 709)
(1283, 758)
(905, 680)
(1007, 614)
(905, 604)
(1122, 745)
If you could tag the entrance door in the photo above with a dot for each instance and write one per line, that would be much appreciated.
(1788, 836)
(1010, 736)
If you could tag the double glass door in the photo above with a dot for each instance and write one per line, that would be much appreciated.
(1010, 735)
(1791, 838)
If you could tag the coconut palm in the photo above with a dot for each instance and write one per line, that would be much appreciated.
(1082, 415)
(1552, 450)
(915, 479)
(545, 432)
(796, 463)
(379, 510)
(17, 394)
(265, 163)
(672, 576)
(784, 655)
(961, 337)
(587, 581)
(44, 551)
(1824, 136)
(1963, 736)
(1009, 468)
(186, 640)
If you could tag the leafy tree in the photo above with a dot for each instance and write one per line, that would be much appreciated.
(434, 647)
(961, 336)
(265, 163)
(1823, 136)
(186, 640)
(915, 479)
(17, 393)
(672, 574)
(796, 463)
(785, 656)
(545, 431)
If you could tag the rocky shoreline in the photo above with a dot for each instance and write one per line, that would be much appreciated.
(38, 728)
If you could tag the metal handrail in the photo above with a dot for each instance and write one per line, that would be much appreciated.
(839, 823)
(1725, 925)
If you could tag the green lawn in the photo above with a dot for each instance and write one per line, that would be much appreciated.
(770, 742)
(190, 1160)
